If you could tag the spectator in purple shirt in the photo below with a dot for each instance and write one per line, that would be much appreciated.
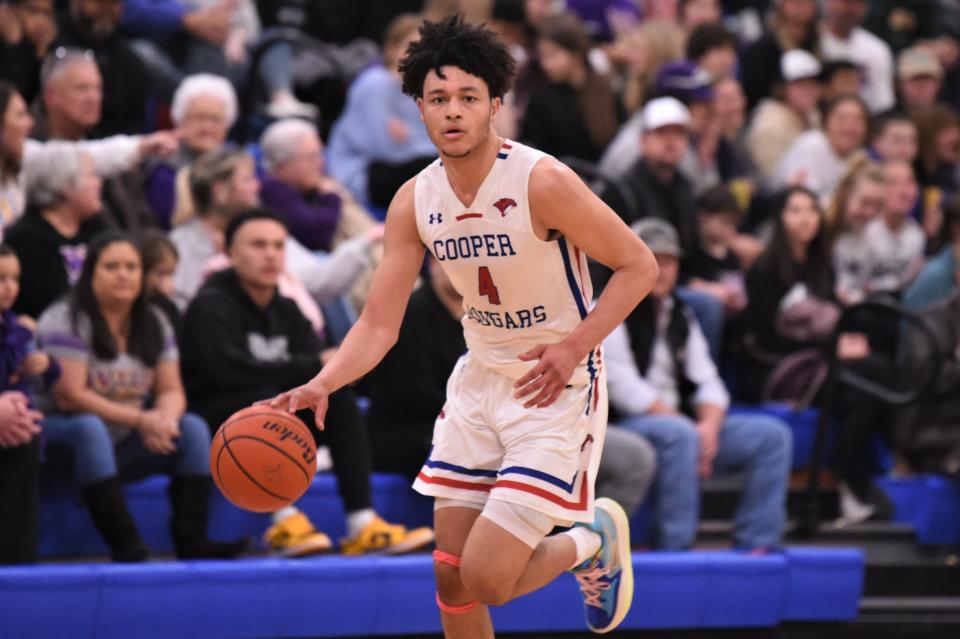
(296, 187)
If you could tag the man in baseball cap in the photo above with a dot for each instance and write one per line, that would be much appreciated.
(664, 385)
(919, 75)
(653, 185)
(792, 110)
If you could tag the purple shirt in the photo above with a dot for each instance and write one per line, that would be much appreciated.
(311, 218)
(161, 193)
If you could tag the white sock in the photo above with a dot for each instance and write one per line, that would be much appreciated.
(586, 541)
(284, 513)
(358, 519)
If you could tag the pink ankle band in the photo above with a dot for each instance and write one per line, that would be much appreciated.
(456, 610)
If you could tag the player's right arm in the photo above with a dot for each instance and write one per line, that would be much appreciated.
(376, 331)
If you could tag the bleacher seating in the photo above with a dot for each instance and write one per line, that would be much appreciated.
(931, 503)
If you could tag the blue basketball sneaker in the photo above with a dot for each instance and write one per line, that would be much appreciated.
(606, 579)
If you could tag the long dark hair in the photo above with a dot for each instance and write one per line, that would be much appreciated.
(596, 99)
(816, 272)
(9, 166)
(145, 337)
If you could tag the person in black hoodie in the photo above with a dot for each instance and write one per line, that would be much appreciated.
(408, 388)
(242, 342)
(51, 239)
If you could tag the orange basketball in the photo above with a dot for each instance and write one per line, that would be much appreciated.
(263, 459)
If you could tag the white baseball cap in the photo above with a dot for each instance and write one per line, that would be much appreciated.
(797, 64)
(663, 112)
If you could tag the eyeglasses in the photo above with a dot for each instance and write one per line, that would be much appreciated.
(63, 53)
(60, 58)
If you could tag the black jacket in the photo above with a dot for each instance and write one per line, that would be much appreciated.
(650, 197)
(49, 262)
(672, 201)
(229, 344)
(641, 327)
(409, 386)
(928, 432)
(555, 123)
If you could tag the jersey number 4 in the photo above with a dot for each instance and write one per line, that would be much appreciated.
(487, 286)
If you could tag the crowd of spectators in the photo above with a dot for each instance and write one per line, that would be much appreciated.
(191, 196)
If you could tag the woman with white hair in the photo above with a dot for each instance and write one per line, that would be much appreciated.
(204, 108)
(62, 217)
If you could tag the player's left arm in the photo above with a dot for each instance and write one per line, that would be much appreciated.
(561, 203)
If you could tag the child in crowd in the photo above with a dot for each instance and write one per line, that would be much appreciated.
(896, 241)
(160, 258)
(858, 200)
(20, 361)
(716, 268)
(894, 138)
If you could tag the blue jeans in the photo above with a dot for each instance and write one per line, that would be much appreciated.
(95, 456)
(758, 446)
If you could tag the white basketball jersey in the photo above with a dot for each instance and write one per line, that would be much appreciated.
(518, 290)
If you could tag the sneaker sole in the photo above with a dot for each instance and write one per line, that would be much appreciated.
(411, 543)
(625, 593)
(303, 550)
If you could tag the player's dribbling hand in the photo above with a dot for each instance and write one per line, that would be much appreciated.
(311, 395)
(549, 377)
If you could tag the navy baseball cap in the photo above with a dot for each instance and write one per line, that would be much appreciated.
(684, 81)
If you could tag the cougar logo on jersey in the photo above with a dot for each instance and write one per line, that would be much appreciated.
(503, 204)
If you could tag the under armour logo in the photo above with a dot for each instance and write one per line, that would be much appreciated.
(436, 218)
(503, 204)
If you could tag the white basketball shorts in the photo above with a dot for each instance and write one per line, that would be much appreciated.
(485, 443)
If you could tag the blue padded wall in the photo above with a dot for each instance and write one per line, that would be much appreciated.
(366, 596)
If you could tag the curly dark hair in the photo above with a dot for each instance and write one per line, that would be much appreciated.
(451, 42)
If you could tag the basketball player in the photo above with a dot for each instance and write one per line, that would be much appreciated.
(517, 445)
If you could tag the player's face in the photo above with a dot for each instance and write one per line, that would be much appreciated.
(457, 110)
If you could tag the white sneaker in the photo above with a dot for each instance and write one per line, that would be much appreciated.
(852, 510)
(287, 106)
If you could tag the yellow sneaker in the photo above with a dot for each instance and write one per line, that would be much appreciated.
(295, 536)
(381, 537)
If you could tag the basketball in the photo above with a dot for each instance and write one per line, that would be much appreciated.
(263, 459)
